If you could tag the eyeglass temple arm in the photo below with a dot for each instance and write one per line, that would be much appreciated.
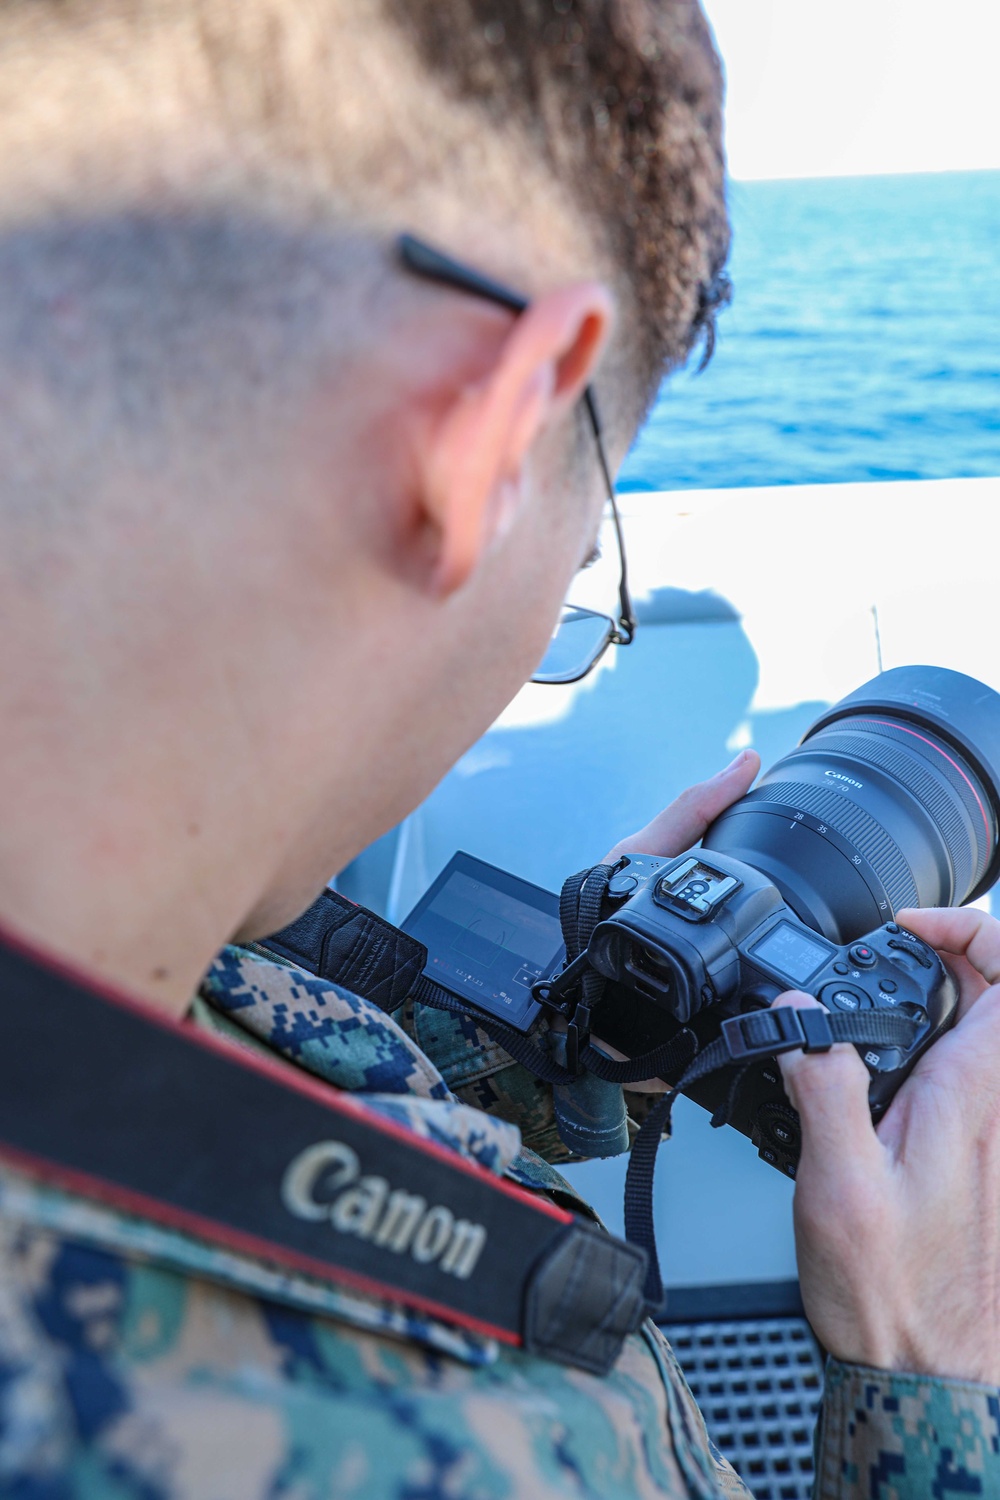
(435, 266)
(626, 613)
(425, 261)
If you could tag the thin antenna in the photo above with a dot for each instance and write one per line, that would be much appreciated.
(878, 638)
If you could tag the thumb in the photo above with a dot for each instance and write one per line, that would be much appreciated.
(830, 1092)
(684, 822)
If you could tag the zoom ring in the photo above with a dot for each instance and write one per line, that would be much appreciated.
(890, 749)
(859, 828)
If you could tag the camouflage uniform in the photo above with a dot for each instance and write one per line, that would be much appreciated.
(140, 1362)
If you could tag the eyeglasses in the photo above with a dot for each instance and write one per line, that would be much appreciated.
(581, 636)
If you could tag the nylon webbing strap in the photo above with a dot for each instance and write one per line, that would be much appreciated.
(581, 903)
(569, 907)
(744, 1039)
(663, 1059)
(353, 947)
(103, 1098)
(659, 1062)
(639, 1223)
(766, 1033)
(521, 1048)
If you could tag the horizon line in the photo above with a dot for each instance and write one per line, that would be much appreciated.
(739, 180)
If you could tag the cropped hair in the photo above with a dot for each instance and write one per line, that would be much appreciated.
(596, 119)
(622, 100)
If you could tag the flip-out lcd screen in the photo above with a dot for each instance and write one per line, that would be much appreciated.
(489, 936)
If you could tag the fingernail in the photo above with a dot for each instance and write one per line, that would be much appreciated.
(734, 763)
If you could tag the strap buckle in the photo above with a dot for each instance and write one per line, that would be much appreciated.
(577, 1036)
(551, 991)
(765, 1033)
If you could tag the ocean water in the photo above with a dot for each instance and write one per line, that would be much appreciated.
(863, 341)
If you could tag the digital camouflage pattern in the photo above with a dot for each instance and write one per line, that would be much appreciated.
(352, 1044)
(892, 1437)
(574, 1122)
(138, 1363)
(131, 1380)
(478, 1071)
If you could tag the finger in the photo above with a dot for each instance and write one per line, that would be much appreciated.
(972, 934)
(684, 822)
(971, 984)
(830, 1092)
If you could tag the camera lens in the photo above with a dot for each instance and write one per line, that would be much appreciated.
(891, 799)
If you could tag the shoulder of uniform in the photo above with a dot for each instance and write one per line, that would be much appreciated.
(56, 1221)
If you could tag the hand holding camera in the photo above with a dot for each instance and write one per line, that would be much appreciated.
(897, 1223)
(891, 801)
(796, 929)
(898, 1229)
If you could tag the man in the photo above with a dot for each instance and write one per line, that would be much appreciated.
(283, 527)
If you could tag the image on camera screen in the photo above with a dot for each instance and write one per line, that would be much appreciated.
(489, 936)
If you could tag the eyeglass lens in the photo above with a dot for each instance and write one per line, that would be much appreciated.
(579, 639)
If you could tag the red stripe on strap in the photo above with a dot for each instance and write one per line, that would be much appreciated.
(280, 1258)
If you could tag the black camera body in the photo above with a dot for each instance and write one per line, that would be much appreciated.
(890, 800)
(696, 940)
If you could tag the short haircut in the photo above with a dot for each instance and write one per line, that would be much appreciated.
(591, 127)
(622, 99)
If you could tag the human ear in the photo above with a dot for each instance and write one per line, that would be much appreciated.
(473, 464)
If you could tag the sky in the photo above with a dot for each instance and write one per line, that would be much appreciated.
(824, 88)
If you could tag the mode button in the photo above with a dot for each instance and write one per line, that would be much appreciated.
(845, 997)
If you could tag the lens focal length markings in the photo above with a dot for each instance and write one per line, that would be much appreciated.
(795, 817)
(865, 834)
(888, 747)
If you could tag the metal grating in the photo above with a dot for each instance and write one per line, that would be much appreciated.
(758, 1382)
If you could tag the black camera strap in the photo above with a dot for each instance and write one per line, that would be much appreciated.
(102, 1097)
(743, 1041)
(579, 989)
(352, 946)
(356, 948)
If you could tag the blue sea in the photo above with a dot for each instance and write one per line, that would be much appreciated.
(863, 341)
